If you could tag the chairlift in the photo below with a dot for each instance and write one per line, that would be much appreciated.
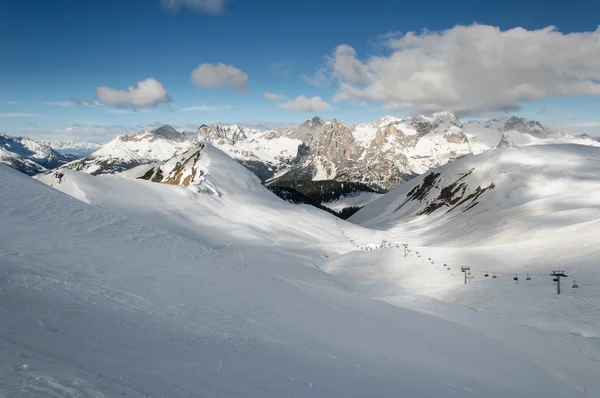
(429, 258)
(528, 278)
(494, 276)
(516, 278)
(575, 285)
(445, 265)
(487, 274)
(555, 279)
(469, 273)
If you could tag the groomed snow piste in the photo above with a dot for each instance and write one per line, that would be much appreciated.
(142, 288)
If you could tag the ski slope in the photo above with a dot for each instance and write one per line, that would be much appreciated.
(98, 304)
(131, 287)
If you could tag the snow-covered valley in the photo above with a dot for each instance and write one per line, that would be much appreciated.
(195, 280)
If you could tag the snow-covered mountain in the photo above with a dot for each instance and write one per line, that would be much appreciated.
(29, 156)
(77, 148)
(142, 302)
(206, 169)
(381, 154)
(250, 271)
(131, 150)
(498, 197)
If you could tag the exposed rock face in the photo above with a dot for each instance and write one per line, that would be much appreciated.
(504, 142)
(381, 154)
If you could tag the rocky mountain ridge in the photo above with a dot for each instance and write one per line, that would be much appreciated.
(30, 156)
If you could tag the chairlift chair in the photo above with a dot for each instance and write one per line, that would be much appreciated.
(494, 276)
(487, 274)
(575, 285)
(516, 278)
(555, 279)
(528, 278)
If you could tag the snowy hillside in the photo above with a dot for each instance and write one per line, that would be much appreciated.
(201, 193)
(78, 148)
(118, 307)
(29, 156)
(531, 186)
(510, 213)
(273, 299)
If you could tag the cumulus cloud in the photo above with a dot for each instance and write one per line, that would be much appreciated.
(303, 104)
(471, 69)
(214, 7)
(149, 92)
(319, 79)
(220, 75)
(275, 97)
(18, 115)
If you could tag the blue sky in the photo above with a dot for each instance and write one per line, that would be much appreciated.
(56, 55)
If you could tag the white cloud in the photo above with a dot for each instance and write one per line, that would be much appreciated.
(319, 79)
(202, 108)
(214, 7)
(18, 115)
(275, 97)
(303, 104)
(219, 75)
(92, 103)
(60, 103)
(149, 92)
(541, 110)
(11, 102)
(471, 69)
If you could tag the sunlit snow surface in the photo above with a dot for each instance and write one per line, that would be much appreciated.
(159, 290)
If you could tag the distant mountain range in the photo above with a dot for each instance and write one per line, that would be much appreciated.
(29, 156)
(377, 156)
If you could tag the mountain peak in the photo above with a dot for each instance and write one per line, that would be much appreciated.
(168, 132)
(441, 114)
(313, 122)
